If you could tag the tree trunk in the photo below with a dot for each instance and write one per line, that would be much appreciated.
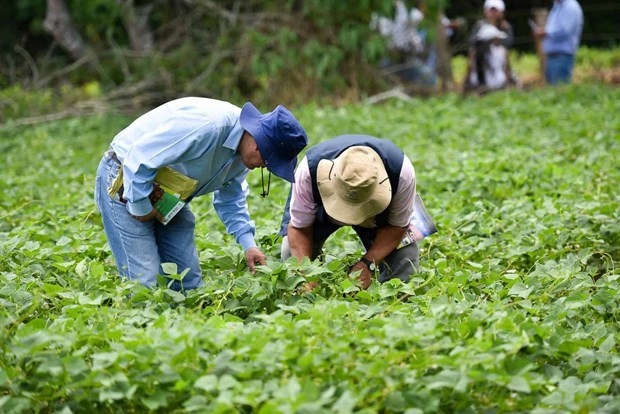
(135, 19)
(59, 25)
(540, 19)
(444, 57)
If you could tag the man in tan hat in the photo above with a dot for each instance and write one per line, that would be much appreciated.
(360, 181)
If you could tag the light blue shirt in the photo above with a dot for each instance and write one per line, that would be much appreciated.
(563, 28)
(198, 137)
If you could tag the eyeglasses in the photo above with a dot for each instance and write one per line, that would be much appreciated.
(265, 193)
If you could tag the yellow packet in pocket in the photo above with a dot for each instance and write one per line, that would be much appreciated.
(117, 184)
(172, 181)
(169, 179)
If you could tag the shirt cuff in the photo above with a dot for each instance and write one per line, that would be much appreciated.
(140, 207)
(246, 241)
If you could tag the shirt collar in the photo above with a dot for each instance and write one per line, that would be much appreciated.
(234, 138)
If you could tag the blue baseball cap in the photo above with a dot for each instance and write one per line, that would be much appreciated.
(279, 136)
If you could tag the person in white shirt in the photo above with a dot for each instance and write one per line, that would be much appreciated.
(488, 66)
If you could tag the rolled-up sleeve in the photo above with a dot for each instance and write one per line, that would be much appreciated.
(303, 207)
(230, 203)
(401, 207)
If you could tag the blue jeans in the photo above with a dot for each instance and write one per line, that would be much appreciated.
(140, 248)
(559, 68)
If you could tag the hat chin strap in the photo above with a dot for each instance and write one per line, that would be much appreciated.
(265, 193)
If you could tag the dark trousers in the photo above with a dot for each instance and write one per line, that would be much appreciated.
(400, 263)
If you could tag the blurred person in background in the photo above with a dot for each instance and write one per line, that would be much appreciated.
(493, 12)
(405, 44)
(560, 40)
(412, 56)
(488, 65)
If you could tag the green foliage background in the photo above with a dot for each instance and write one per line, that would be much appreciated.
(269, 50)
(514, 309)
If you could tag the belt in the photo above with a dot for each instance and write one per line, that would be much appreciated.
(113, 156)
(118, 196)
(558, 54)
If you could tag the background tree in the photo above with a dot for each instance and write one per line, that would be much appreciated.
(267, 50)
(435, 10)
(136, 22)
(59, 25)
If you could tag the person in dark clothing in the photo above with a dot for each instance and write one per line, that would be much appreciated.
(360, 181)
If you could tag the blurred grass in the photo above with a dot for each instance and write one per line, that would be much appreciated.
(591, 65)
(32, 106)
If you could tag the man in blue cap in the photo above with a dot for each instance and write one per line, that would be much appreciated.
(183, 149)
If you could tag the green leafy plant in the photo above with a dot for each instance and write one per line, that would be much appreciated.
(514, 307)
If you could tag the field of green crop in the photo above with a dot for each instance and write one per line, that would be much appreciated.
(515, 308)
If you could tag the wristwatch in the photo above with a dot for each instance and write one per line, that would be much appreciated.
(371, 265)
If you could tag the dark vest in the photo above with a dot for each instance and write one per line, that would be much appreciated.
(391, 155)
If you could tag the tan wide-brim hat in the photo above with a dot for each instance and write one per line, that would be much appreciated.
(354, 186)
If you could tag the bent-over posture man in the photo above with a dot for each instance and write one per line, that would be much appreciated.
(360, 181)
(211, 145)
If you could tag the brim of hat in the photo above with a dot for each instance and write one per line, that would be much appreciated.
(283, 169)
(350, 213)
(496, 6)
(250, 121)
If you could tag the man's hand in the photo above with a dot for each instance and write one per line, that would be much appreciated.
(365, 276)
(308, 287)
(253, 256)
(538, 32)
(153, 215)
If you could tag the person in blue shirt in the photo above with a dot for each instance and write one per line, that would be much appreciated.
(212, 142)
(561, 36)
